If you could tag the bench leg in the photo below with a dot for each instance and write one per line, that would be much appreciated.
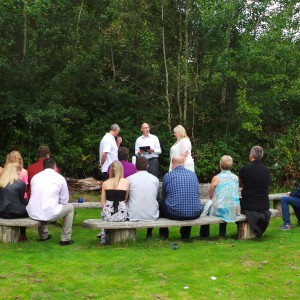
(9, 234)
(277, 205)
(121, 235)
(244, 231)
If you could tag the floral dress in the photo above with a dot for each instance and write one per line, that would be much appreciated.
(226, 203)
(115, 210)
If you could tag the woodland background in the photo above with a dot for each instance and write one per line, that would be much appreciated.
(226, 70)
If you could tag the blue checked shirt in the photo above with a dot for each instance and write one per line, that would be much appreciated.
(181, 192)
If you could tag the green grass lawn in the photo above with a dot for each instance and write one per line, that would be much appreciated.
(257, 269)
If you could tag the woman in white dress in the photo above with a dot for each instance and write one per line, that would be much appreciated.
(182, 147)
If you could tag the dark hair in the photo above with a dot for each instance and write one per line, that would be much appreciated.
(49, 163)
(142, 163)
(123, 153)
(42, 151)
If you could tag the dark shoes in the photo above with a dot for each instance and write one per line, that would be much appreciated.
(46, 239)
(149, 233)
(66, 243)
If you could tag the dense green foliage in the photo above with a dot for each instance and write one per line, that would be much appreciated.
(226, 70)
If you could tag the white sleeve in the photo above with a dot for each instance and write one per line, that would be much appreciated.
(185, 145)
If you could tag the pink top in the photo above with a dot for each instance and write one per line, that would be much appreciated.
(24, 177)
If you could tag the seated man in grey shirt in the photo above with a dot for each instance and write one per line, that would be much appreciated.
(143, 194)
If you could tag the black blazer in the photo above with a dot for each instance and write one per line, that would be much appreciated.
(12, 197)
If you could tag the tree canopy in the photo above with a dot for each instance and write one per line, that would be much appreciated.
(228, 71)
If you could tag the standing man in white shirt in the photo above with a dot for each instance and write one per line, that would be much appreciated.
(49, 202)
(108, 149)
(152, 145)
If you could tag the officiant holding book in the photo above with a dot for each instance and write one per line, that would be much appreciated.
(148, 145)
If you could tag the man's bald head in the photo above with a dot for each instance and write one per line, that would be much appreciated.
(177, 161)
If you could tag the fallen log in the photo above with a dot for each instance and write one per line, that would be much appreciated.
(83, 185)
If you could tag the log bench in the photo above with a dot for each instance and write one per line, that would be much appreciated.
(123, 231)
(9, 228)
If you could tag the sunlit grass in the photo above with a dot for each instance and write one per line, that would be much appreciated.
(255, 269)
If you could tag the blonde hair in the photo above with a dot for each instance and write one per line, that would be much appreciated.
(226, 162)
(181, 132)
(116, 172)
(14, 157)
(10, 174)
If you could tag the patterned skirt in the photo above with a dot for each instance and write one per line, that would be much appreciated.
(114, 211)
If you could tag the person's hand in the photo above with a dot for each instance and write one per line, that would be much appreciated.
(288, 193)
(150, 151)
(141, 152)
(119, 140)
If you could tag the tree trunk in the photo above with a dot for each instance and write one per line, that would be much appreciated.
(186, 79)
(166, 71)
(24, 48)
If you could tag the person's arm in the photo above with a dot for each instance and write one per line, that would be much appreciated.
(103, 195)
(213, 184)
(137, 150)
(64, 194)
(127, 190)
(184, 147)
(157, 149)
(103, 158)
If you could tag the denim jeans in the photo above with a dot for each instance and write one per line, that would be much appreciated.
(295, 203)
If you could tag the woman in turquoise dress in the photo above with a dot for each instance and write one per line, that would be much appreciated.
(224, 192)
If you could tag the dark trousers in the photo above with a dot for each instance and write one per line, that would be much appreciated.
(8, 215)
(185, 231)
(204, 230)
(153, 166)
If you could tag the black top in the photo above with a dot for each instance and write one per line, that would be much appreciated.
(115, 195)
(11, 198)
(256, 179)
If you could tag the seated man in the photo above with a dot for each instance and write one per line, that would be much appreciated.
(128, 168)
(43, 152)
(49, 202)
(143, 194)
(182, 198)
(293, 199)
(255, 179)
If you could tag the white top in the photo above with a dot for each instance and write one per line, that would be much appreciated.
(142, 201)
(108, 144)
(150, 140)
(49, 191)
(180, 147)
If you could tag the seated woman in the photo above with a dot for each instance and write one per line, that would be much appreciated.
(12, 190)
(15, 157)
(224, 192)
(113, 198)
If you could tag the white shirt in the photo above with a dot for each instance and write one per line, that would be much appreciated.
(49, 191)
(150, 140)
(180, 147)
(142, 201)
(109, 146)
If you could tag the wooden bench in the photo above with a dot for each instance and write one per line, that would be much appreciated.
(123, 231)
(9, 228)
(275, 198)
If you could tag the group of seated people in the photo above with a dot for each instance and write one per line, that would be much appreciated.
(136, 197)
(46, 190)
